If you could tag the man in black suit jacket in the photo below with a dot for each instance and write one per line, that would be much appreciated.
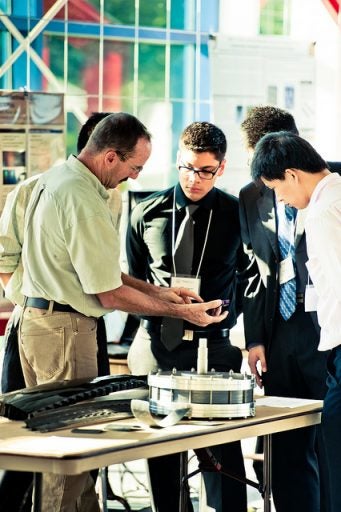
(282, 353)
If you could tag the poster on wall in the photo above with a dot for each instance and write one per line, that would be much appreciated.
(45, 108)
(13, 110)
(32, 136)
(46, 148)
(13, 160)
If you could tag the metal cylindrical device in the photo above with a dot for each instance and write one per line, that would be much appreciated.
(207, 395)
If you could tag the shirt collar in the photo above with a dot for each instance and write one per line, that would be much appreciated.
(182, 201)
(78, 167)
(330, 178)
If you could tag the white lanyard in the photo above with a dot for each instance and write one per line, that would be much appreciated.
(173, 239)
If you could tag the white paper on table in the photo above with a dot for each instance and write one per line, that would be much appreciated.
(282, 401)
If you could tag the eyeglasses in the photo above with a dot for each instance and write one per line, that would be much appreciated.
(204, 174)
(124, 157)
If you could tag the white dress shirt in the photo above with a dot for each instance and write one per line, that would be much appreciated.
(323, 234)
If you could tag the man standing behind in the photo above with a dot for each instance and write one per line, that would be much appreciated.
(291, 168)
(283, 341)
(212, 258)
(72, 274)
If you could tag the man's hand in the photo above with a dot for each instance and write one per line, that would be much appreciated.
(257, 363)
(178, 295)
(201, 313)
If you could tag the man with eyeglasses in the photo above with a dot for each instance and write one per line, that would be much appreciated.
(72, 276)
(152, 238)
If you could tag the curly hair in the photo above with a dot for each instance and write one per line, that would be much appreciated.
(202, 136)
(265, 119)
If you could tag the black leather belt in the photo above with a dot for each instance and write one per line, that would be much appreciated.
(40, 303)
(188, 335)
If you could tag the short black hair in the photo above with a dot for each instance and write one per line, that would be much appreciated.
(119, 131)
(263, 119)
(88, 127)
(278, 151)
(202, 136)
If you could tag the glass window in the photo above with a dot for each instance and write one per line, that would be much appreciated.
(153, 14)
(209, 21)
(5, 6)
(83, 65)
(274, 19)
(54, 55)
(73, 125)
(118, 76)
(82, 10)
(151, 72)
(183, 14)
(156, 73)
(119, 12)
(182, 71)
(177, 75)
(116, 12)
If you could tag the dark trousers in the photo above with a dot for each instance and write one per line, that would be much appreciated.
(331, 427)
(296, 368)
(15, 486)
(223, 493)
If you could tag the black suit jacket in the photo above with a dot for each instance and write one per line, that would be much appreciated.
(259, 236)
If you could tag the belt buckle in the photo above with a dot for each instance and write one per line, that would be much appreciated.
(188, 335)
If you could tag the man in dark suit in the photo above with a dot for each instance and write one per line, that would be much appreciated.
(214, 266)
(282, 345)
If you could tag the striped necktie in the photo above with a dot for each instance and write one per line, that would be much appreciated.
(287, 290)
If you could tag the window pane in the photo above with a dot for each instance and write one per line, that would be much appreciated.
(177, 61)
(209, 20)
(83, 59)
(182, 72)
(72, 130)
(80, 10)
(183, 14)
(151, 70)
(5, 5)
(156, 115)
(153, 14)
(83, 65)
(119, 12)
(273, 18)
(118, 76)
(53, 53)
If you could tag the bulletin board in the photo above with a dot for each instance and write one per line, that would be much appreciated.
(32, 136)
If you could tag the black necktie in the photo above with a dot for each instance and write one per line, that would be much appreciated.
(172, 328)
(184, 245)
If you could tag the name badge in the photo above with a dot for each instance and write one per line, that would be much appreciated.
(286, 270)
(310, 298)
(190, 282)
